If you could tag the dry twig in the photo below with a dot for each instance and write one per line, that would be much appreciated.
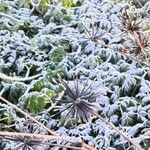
(54, 134)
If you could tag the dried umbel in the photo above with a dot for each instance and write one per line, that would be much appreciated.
(132, 25)
(25, 142)
(130, 22)
(76, 100)
(141, 45)
(76, 103)
(93, 33)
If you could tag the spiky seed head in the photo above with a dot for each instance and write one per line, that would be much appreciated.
(76, 100)
(129, 21)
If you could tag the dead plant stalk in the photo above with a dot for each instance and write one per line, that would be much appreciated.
(54, 135)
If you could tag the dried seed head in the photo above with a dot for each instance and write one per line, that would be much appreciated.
(130, 22)
(76, 100)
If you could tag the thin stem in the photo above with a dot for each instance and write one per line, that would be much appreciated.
(27, 115)
(137, 146)
(30, 135)
(62, 110)
(65, 146)
(84, 92)
(28, 71)
(40, 124)
(39, 136)
(51, 108)
(5, 77)
(138, 41)
(76, 87)
(128, 56)
(2, 91)
(10, 17)
(67, 88)
(84, 87)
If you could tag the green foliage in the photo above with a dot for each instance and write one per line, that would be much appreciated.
(39, 84)
(57, 54)
(85, 39)
(53, 72)
(42, 7)
(67, 3)
(48, 92)
(3, 6)
(7, 119)
(17, 89)
(25, 4)
(35, 102)
(43, 2)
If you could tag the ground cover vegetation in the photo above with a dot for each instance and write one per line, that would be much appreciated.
(74, 74)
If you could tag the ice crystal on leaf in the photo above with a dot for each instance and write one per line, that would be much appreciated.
(101, 40)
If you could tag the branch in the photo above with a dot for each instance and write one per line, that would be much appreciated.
(124, 54)
(27, 115)
(10, 17)
(83, 145)
(39, 136)
(5, 77)
(137, 146)
(137, 37)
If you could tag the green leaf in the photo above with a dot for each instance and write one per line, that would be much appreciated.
(67, 3)
(25, 4)
(3, 7)
(42, 7)
(39, 84)
(48, 92)
(57, 54)
(43, 2)
(9, 119)
(35, 102)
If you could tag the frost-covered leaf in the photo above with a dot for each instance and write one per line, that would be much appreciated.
(41, 40)
(128, 84)
(17, 89)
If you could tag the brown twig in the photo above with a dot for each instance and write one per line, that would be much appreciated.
(39, 136)
(83, 145)
(137, 146)
(28, 116)
(124, 54)
(31, 135)
(139, 42)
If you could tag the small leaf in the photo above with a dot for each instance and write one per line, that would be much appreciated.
(39, 84)
(48, 92)
(9, 119)
(42, 7)
(26, 4)
(57, 54)
(128, 84)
